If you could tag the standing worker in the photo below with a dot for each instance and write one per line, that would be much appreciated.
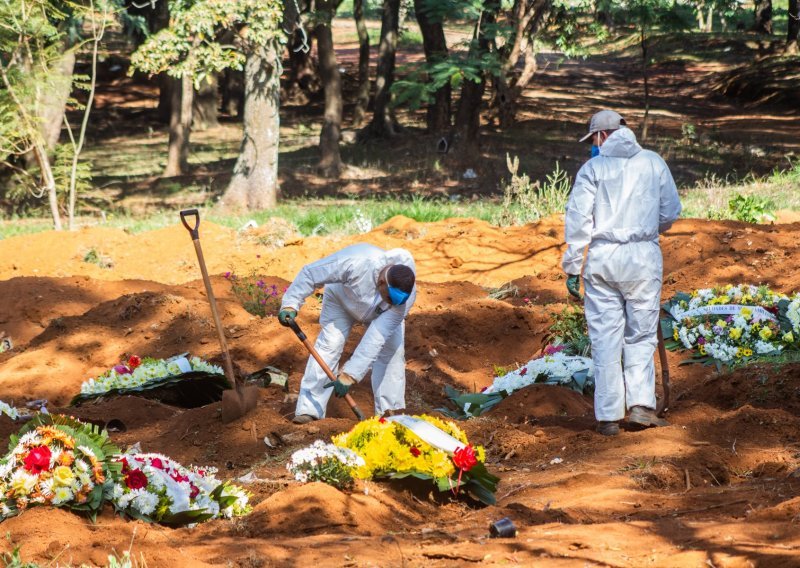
(365, 284)
(622, 199)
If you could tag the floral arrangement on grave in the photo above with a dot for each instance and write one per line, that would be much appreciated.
(139, 374)
(8, 410)
(423, 447)
(732, 325)
(57, 461)
(155, 488)
(553, 367)
(328, 463)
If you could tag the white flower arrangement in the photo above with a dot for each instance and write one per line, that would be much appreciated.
(733, 324)
(8, 410)
(555, 367)
(324, 462)
(156, 488)
(137, 373)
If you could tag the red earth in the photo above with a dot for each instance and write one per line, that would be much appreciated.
(719, 487)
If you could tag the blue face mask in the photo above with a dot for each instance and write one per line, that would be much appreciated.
(397, 296)
(595, 150)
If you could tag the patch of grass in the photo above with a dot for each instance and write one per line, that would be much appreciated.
(410, 38)
(93, 257)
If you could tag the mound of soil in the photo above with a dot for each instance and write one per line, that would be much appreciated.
(537, 401)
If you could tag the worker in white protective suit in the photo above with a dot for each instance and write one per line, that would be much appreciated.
(622, 199)
(363, 284)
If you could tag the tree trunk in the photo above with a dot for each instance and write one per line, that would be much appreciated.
(233, 92)
(157, 20)
(254, 184)
(710, 19)
(435, 45)
(205, 107)
(645, 120)
(180, 126)
(362, 98)
(330, 163)
(468, 116)
(40, 154)
(793, 29)
(304, 80)
(763, 13)
(54, 100)
(382, 124)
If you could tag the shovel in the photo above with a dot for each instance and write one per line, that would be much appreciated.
(239, 400)
(304, 339)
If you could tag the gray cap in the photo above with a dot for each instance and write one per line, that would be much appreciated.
(604, 120)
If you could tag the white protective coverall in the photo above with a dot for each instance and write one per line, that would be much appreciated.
(351, 295)
(621, 201)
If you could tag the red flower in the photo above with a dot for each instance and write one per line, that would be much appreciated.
(37, 460)
(464, 458)
(194, 492)
(157, 463)
(125, 466)
(134, 361)
(522, 371)
(415, 451)
(382, 420)
(136, 479)
(178, 477)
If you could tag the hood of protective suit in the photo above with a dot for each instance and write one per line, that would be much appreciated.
(622, 198)
(621, 144)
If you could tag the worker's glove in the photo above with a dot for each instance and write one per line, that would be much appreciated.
(286, 316)
(574, 285)
(341, 386)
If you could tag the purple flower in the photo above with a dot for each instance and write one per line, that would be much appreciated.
(261, 284)
(701, 340)
(717, 330)
(262, 301)
(729, 319)
(228, 274)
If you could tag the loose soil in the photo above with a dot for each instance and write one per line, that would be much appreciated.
(719, 487)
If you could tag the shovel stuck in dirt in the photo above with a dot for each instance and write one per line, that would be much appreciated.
(239, 400)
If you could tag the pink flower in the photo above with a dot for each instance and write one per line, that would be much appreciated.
(194, 492)
(122, 369)
(157, 463)
(228, 274)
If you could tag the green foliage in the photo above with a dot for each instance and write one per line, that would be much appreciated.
(525, 201)
(569, 329)
(93, 257)
(191, 44)
(752, 208)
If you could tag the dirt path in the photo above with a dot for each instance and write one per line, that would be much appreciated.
(718, 487)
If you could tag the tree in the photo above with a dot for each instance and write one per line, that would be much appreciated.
(793, 27)
(438, 114)
(330, 163)
(362, 98)
(383, 123)
(36, 62)
(192, 46)
(763, 14)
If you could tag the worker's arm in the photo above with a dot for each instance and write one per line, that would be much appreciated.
(579, 219)
(670, 203)
(312, 276)
(378, 332)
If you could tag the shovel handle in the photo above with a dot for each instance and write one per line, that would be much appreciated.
(304, 339)
(662, 357)
(193, 231)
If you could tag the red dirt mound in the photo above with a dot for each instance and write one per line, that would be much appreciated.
(536, 401)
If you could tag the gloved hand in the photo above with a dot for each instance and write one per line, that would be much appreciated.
(286, 316)
(341, 386)
(574, 285)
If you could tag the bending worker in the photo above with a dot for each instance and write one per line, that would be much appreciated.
(365, 284)
(622, 199)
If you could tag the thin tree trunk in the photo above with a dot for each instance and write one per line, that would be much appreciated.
(793, 27)
(40, 154)
(180, 126)
(330, 163)
(254, 184)
(645, 120)
(362, 98)
(205, 104)
(763, 14)
(382, 124)
(439, 112)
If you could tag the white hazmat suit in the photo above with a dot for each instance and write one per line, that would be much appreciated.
(621, 201)
(351, 295)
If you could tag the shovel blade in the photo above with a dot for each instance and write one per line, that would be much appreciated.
(238, 402)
